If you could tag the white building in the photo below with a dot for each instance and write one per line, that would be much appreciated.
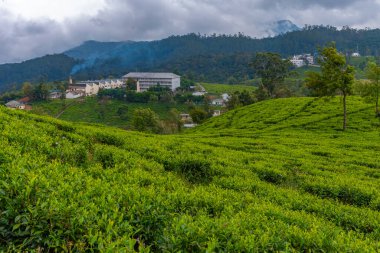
(216, 113)
(302, 60)
(225, 97)
(73, 94)
(217, 102)
(86, 88)
(297, 61)
(309, 59)
(90, 88)
(145, 80)
(199, 93)
(15, 105)
(110, 83)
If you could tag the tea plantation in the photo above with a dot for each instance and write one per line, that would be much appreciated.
(278, 175)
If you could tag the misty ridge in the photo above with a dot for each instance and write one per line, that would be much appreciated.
(212, 58)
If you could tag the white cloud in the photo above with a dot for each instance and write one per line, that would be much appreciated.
(54, 9)
(34, 28)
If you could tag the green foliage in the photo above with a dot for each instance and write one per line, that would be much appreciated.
(115, 112)
(238, 99)
(194, 169)
(131, 84)
(371, 89)
(46, 69)
(275, 176)
(217, 88)
(146, 120)
(335, 76)
(272, 70)
(198, 115)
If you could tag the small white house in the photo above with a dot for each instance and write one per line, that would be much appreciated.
(186, 117)
(74, 94)
(86, 88)
(55, 94)
(297, 61)
(198, 93)
(216, 113)
(191, 125)
(15, 105)
(217, 102)
(225, 97)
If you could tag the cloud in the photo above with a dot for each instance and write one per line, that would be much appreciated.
(22, 38)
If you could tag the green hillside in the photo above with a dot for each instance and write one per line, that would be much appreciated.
(217, 88)
(295, 114)
(275, 176)
(98, 111)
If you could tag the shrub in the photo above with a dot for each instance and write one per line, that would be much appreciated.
(109, 139)
(194, 170)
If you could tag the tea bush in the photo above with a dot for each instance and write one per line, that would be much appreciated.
(275, 176)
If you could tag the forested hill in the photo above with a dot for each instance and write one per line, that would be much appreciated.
(212, 58)
(42, 69)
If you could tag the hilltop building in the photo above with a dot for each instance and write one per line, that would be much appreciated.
(90, 88)
(145, 80)
(302, 60)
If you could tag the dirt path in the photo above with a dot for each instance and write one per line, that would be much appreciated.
(64, 109)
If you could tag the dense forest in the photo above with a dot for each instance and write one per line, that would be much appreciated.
(212, 58)
(43, 69)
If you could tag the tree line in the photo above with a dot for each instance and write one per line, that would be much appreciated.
(335, 77)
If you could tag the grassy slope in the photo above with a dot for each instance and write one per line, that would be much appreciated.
(102, 112)
(273, 176)
(214, 88)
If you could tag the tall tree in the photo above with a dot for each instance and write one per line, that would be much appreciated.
(371, 89)
(272, 70)
(336, 77)
(27, 89)
(146, 120)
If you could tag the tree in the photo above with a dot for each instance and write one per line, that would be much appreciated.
(122, 111)
(41, 92)
(246, 98)
(371, 89)
(234, 101)
(272, 70)
(175, 118)
(335, 77)
(146, 120)
(62, 89)
(198, 115)
(27, 89)
(131, 84)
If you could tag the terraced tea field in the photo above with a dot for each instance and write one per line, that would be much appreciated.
(274, 176)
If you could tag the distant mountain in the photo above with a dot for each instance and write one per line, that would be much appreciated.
(42, 69)
(215, 58)
(282, 27)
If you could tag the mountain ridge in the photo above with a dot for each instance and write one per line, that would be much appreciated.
(213, 58)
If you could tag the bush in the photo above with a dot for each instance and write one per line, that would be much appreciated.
(109, 139)
(194, 170)
(146, 120)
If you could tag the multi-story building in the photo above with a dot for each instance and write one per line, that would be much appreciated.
(145, 80)
(90, 88)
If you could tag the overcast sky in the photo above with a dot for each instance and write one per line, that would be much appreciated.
(30, 28)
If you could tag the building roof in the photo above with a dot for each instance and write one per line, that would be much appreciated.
(24, 100)
(13, 104)
(150, 75)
